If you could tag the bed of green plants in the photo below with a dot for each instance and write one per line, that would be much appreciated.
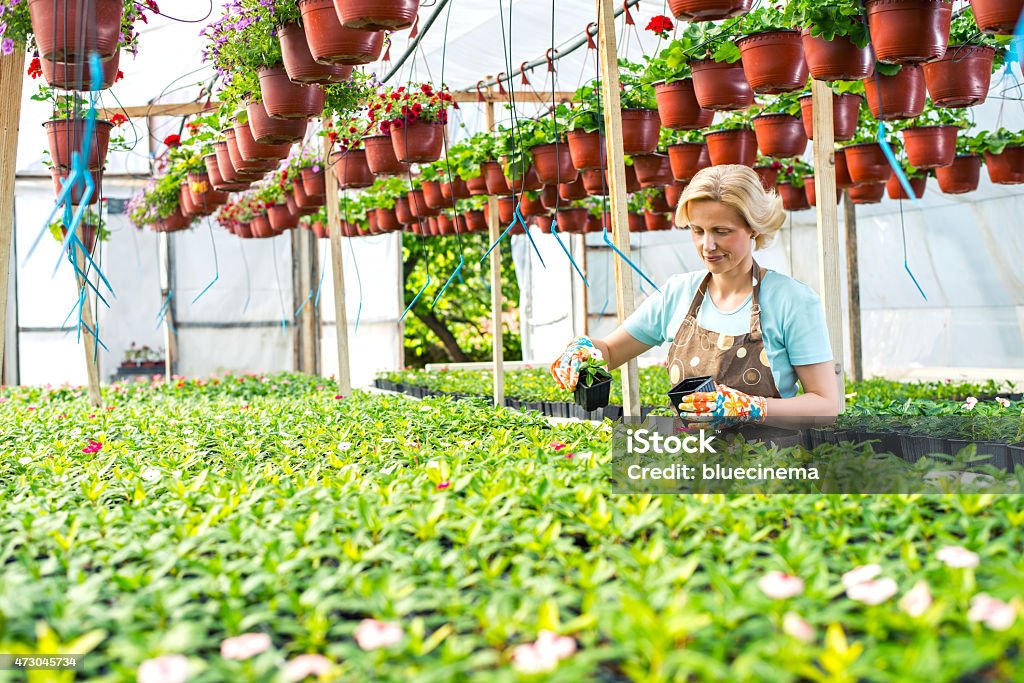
(187, 513)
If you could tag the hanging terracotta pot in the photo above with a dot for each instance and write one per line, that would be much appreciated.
(708, 10)
(216, 179)
(242, 164)
(242, 230)
(962, 176)
(634, 223)
(554, 163)
(572, 191)
(769, 176)
(403, 211)
(843, 179)
(773, 61)
(59, 176)
(678, 107)
(544, 223)
(444, 225)
(477, 186)
(306, 204)
(594, 224)
(549, 198)
(632, 183)
(845, 113)
(377, 15)
(476, 221)
(732, 147)
(380, 155)
(224, 165)
(498, 183)
(962, 77)
(281, 218)
(780, 135)
(867, 163)
(673, 192)
(270, 131)
(656, 221)
(721, 86)
(894, 188)
(658, 203)
(1006, 168)
(387, 220)
(418, 142)
(206, 197)
(653, 170)
(640, 131)
(286, 100)
(531, 207)
(319, 229)
(896, 97)
(530, 182)
(930, 146)
(66, 136)
(456, 187)
(371, 222)
(687, 158)
(909, 31)
(432, 195)
(351, 169)
(188, 208)
(299, 62)
(997, 16)
(313, 182)
(70, 30)
(418, 205)
(330, 43)
(571, 220)
(812, 197)
(506, 211)
(75, 75)
(587, 149)
(260, 226)
(837, 59)
(254, 151)
(594, 181)
(175, 222)
(88, 233)
(793, 198)
(866, 193)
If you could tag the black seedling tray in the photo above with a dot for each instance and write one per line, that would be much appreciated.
(595, 396)
(689, 386)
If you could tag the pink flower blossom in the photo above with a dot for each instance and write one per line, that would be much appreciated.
(1002, 401)
(861, 574)
(917, 600)
(306, 665)
(557, 446)
(443, 485)
(543, 654)
(165, 669)
(338, 397)
(93, 447)
(780, 586)
(569, 455)
(794, 625)
(245, 646)
(971, 402)
(372, 634)
(994, 613)
(873, 591)
(957, 557)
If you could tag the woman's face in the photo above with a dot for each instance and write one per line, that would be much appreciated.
(721, 236)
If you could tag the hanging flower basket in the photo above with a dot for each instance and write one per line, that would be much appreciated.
(544, 223)
(866, 193)
(260, 226)
(216, 179)
(571, 220)
(793, 198)
(594, 181)
(997, 16)
(78, 191)
(587, 149)
(403, 211)
(281, 218)
(65, 137)
(780, 135)
(306, 204)
(732, 147)
(962, 176)
(656, 221)
(254, 151)
(351, 169)
(456, 187)
(867, 163)
(896, 97)
(721, 86)
(678, 107)
(272, 131)
(843, 179)
(380, 155)
(1006, 168)
(554, 163)
(175, 222)
(773, 61)
(530, 182)
(687, 158)
(387, 220)
(299, 62)
(477, 186)
(204, 195)
(506, 211)
(812, 195)
(930, 146)
(242, 229)
(845, 113)
(962, 77)
(531, 207)
(549, 198)
(769, 176)
(497, 182)
(640, 131)
(572, 191)
(418, 142)
(432, 195)
(188, 207)
(894, 188)
(909, 31)
(673, 192)
(77, 75)
(313, 182)
(653, 170)
(708, 10)
(418, 205)
(241, 164)
(70, 30)
(377, 15)
(330, 43)
(476, 221)
(286, 100)
(837, 59)
(658, 203)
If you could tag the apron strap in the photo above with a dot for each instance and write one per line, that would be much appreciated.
(698, 297)
(755, 307)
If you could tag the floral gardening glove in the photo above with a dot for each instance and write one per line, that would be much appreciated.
(566, 370)
(724, 407)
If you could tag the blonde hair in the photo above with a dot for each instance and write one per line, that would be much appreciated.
(739, 187)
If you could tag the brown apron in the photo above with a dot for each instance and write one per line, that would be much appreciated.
(740, 362)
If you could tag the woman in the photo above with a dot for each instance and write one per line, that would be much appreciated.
(755, 331)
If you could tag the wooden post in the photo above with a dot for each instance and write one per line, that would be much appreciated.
(12, 74)
(828, 226)
(617, 189)
(400, 271)
(166, 286)
(89, 343)
(337, 274)
(586, 290)
(304, 274)
(853, 288)
(498, 351)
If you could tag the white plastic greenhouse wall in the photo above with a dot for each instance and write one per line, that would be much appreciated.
(966, 252)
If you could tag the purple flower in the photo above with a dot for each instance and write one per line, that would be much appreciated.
(6, 46)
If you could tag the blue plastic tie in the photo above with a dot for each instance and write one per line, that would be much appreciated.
(359, 281)
(907, 190)
(462, 262)
(414, 300)
(554, 231)
(498, 241)
(216, 265)
(526, 229)
(161, 315)
(608, 241)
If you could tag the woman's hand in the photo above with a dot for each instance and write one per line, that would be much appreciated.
(724, 407)
(566, 370)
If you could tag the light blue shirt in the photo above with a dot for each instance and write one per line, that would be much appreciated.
(792, 321)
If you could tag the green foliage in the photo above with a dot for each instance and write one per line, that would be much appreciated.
(673, 63)
(90, 219)
(795, 171)
(587, 113)
(719, 43)
(764, 19)
(963, 30)
(786, 103)
(636, 92)
(996, 142)
(674, 137)
(734, 120)
(829, 18)
(384, 191)
(936, 116)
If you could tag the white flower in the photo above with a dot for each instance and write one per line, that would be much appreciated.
(25, 460)
(779, 586)
(344, 445)
(1002, 401)
(794, 625)
(245, 646)
(303, 666)
(165, 669)
(150, 474)
(543, 654)
(872, 592)
(861, 574)
(971, 402)
(995, 614)
(372, 634)
(596, 353)
(957, 557)
(917, 600)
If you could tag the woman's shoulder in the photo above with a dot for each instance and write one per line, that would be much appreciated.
(783, 289)
(683, 285)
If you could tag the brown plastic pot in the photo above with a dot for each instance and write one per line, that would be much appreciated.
(930, 146)
(432, 194)
(352, 170)
(843, 179)
(587, 150)
(837, 59)
(204, 194)
(595, 182)
(866, 193)
(673, 192)
(78, 191)
(1006, 168)
(216, 179)
(224, 165)
(241, 229)
(909, 31)
(572, 191)
(571, 220)
(997, 16)
(769, 176)
(65, 137)
(313, 182)
(656, 221)
(75, 75)
(962, 176)
(330, 43)
(418, 205)
(506, 211)
(549, 198)
(894, 188)
(286, 100)
(640, 131)
(845, 113)
(867, 163)
(456, 187)
(418, 142)
(387, 220)
(498, 183)
(254, 151)
(896, 97)
(708, 10)
(281, 218)
(635, 222)
(678, 107)
(70, 30)
(793, 198)
(377, 15)
(299, 62)
(732, 147)
(632, 182)
(531, 207)
(721, 86)
(403, 212)
(687, 158)
(188, 208)
(307, 204)
(773, 61)
(477, 186)
(653, 170)
(812, 196)
(554, 163)
(380, 155)
(780, 135)
(260, 226)
(658, 203)
(243, 165)
(175, 222)
(523, 183)
(476, 221)
(544, 223)
(962, 77)
(270, 131)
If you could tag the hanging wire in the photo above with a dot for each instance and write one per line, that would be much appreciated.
(216, 264)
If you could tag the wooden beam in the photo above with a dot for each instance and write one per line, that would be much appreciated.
(828, 226)
(494, 230)
(146, 111)
(521, 96)
(400, 272)
(305, 266)
(337, 274)
(853, 288)
(12, 75)
(617, 190)
(89, 341)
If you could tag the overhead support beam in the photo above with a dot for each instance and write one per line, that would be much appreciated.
(145, 111)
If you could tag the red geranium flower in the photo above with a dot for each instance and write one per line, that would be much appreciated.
(118, 118)
(119, 76)
(173, 140)
(35, 68)
(661, 25)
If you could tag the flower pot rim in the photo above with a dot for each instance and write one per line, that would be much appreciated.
(861, 144)
(771, 32)
(775, 114)
(734, 130)
(834, 95)
(656, 84)
(271, 67)
(869, 3)
(648, 111)
(968, 156)
(98, 122)
(933, 125)
(681, 144)
(703, 63)
(374, 137)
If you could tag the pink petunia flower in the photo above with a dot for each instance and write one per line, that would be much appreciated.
(245, 646)
(917, 600)
(780, 586)
(971, 402)
(1002, 401)
(957, 557)
(165, 669)
(861, 574)
(93, 447)
(543, 654)
(338, 397)
(994, 613)
(796, 626)
(872, 592)
(372, 634)
(557, 446)
(306, 665)
(443, 485)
